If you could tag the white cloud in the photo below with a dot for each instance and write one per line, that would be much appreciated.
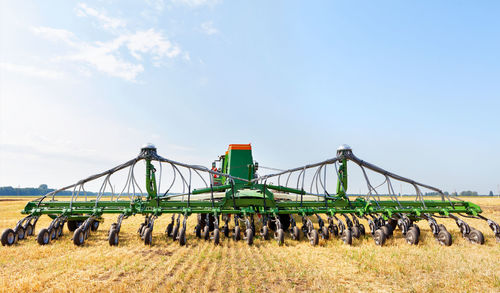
(197, 3)
(108, 23)
(151, 42)
(157, 5)
(107, 56)
(31, 71)
(208, 28)
(54, 34)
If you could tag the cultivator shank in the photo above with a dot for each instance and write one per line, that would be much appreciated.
(235, 194)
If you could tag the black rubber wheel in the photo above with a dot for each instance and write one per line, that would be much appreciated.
(412, 236)
(72, 226)
(325, 234)
(362, 230)
(202, 219)
(216, 236)
(21, 234)
(334, 229)
(226, 231)
(59, 231)
(94, 226)
(314, 238)
(79, 237)
(148, 236)
(29, 230)
(175, 232)
(280, 236)
(169, 229)
(265, 232)
(142, 229)
(284, 220)
(182, 237)
(197, 231)
(53, 234)
(43, 237)
(379, 236)
(249, 236)
(206, 233)
(386, 230)
(417, 228)
(113, 237)
(444, 237)
(392, 224)
(8, 237)
(347, 237)
(237, 235)
(355, 232)
(476, 237)
(296, 233)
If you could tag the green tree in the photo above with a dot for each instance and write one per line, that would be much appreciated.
(491, 193)
(43, 186)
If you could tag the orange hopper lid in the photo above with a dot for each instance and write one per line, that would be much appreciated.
(240, 147)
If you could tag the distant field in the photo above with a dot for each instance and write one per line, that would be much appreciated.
(233, 266)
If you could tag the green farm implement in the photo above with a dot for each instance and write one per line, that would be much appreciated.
(232, 200)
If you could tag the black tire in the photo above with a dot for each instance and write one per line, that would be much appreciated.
(53, 234)
(362, 230)
(355, 232)
(216, 236)
(113, 237)
(334, 229)
(284, 220)
(444, 237)
(280, 236)
(226, 231)
(476, 237)
(79, 237)
(30, 230)
(412, 236)
(379, 237)
(169, 229)
(417, 228)
(72, 226)
(148, 236)
(392, 224)
(8, 237)
(43, 237)
(296, 233)
(314, 237)
(59, 231)
(325, 234)
(206, 233)
(175, 232)
(249, 236)
(182, 237)
(142, 229)
(265, 232)
(94, 226)
(237, 235)
(347, 237)
(21, 234)
(197, 231)
(386, 230)
(202, 219)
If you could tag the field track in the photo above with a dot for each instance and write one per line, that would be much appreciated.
(235, 267)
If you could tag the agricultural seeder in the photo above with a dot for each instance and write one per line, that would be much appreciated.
(234, 201)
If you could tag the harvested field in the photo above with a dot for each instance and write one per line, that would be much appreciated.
(234, 266)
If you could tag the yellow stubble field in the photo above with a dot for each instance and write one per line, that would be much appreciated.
(235, 267)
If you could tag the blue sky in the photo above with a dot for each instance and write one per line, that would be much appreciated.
(412, 86)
